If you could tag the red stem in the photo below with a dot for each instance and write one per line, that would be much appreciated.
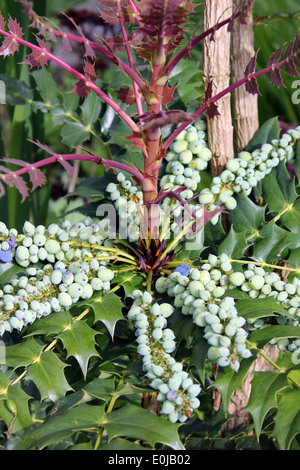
(220, 95)
(91, 158)
(131, 64)
(78, 75)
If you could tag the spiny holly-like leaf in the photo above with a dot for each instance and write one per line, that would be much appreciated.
(36, 176)
(137, 139)
(109, 16)
(2, 22)
(168, 93)
(137, 423)
(264, 388)
(89, 51)
(228, 380)
(126, 95)
(287, 420)
(15, 28)
(38, 58)
(164, 17)
(114, 44)
(82, 86)
(66, 165)
(62, 425)
(79, 341)
(10, 44)
(48, 375)
(251, 84)
(107, 309)
(212, 108)
(11, 179)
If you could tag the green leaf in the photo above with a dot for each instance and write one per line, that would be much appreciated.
(262, 336)
(91, 109)
(16, 91)
(59, 427)
(234, 244)
(268, 131)
(102, 389)
(51, 325)
(199, 354)
(228, 380)
(22, 354)
(135, 422)
(252, 309)
(74, 133)
(247, 216)
(121, 444)
(48, 375)
(287, 420)
(20, 399)
(273, 240)
(107, 308)
(129, 281)
(279, 189)
(264, 388)
(79, 340)
(46, 87)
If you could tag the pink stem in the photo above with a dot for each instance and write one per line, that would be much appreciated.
(80, 76)
(131, 64)
(82, 40)
(91, 158)
(220, 95)
(192, 44)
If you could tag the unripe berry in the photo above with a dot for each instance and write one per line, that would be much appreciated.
(52, 246)
(237, 279)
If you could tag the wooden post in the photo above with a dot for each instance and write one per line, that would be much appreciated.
(245, 108)
(216, 68)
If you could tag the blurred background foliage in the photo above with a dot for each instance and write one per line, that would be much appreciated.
(40, 107)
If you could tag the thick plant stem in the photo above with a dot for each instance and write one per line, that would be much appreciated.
(245, 107)
(216, 68)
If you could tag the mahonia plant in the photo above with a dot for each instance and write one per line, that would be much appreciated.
(65, 265)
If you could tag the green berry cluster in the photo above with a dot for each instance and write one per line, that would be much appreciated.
(244, 172)
(58, 242)
(126, 198)
(177, 391)
(40, 291)
(202, 294)
(188, 155)
(62, 265)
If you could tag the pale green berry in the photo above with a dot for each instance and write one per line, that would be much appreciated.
(155, 309)
(166, 310)
(206, 196)
(205, 154)
(105, 274)
(75, 290)
(256, 281)
(237, 279)
(111, 187)
(186, 157)
(97, 284)
(230, 203)
(174, 382)
(22, 253)
(28, 228)
(87, 291)
(179, 146)
(52, 246)
(64, 299)
(157, 333)
(56, 276)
